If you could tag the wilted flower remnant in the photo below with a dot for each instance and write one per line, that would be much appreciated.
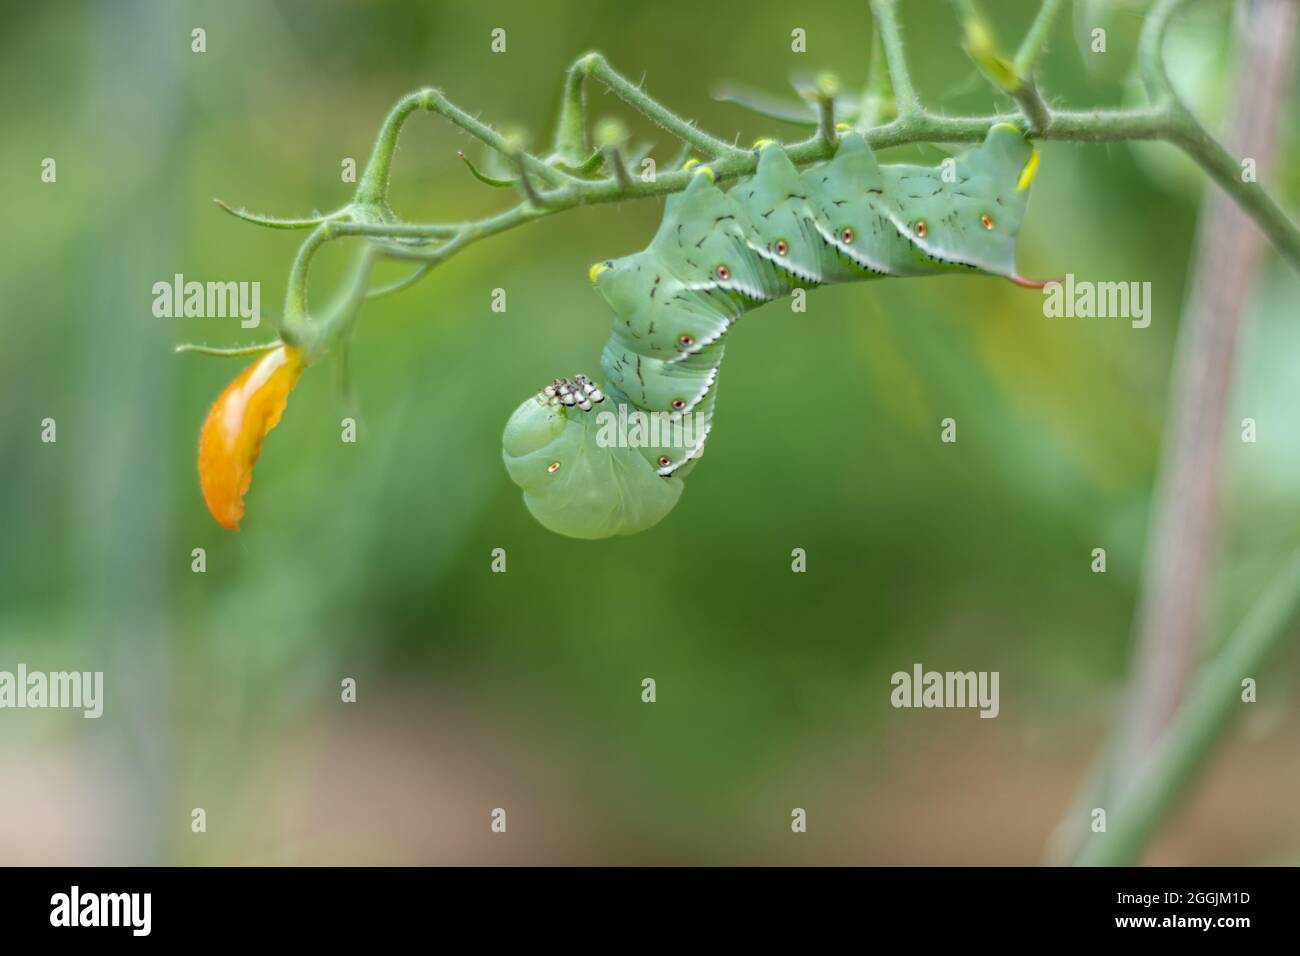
(231, 439)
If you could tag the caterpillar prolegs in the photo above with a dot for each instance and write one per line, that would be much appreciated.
(717, 255)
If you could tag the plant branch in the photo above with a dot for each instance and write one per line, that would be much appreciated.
(233, 352)
(433, 243)
(572, 139)
(1007, 76)
(401, 284)
(1031, 47)
(594, 64)
(905, 98)
(877, 97)
(614, 160)
(274, 223)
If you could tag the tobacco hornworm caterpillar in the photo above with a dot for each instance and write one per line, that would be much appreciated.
(718, 254)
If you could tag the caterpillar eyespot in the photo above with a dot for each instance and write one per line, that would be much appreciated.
(790, 216)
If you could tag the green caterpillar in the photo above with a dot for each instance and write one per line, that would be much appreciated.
(716, 255)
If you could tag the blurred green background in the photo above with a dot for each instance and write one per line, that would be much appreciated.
(522, 690)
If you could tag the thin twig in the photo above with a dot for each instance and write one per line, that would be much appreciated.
(594, 64)
(401, 284)
(614, 160)
(905, 98)
(1032, 46)
(273, 222)
(232, 352)
(526, 187)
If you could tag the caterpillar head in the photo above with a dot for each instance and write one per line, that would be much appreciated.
(575, 481)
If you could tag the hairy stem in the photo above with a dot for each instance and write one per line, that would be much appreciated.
(1032, 105)
(433, 243)
(594, 64)
(572, 142)
(905, 98)
(1036, 37)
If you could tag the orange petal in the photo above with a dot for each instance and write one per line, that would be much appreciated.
(231, 439)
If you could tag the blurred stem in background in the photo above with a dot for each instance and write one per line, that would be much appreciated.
(122, 534)
(1170, 721)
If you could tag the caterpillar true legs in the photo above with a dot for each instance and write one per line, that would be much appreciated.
(717, 255)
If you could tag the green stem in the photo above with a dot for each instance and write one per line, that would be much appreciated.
(1151, 63)
(1225, 169)
(436, 102)
(614, 160)
(401, 284)
(878, 91)
(1031, 47)
(373, 187)
(294, 320)
(826, 120)
(274, 223)
(1032, 104)
(1026, 93)
(905, 98)
(526, 187)
(571, 140)
(482, 177)
(233, 352)
(399, 230)
(594, 64)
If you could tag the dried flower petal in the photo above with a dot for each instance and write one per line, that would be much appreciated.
(231, 439)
